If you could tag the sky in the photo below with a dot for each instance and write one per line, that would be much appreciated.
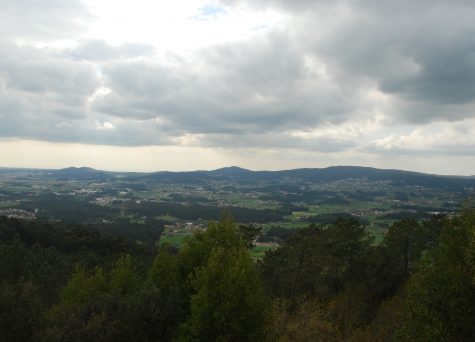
(263, 84)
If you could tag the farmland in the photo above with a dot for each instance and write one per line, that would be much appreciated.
(171, 206)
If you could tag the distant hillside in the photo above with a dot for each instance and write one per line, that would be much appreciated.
(232, 171)
(328, 174)
(81, 173)
(237, 174)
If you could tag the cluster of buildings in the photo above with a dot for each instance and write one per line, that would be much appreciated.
(181, 228)
(18, 214)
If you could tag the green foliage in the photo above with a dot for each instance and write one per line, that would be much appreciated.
(405, 241)
(165, 271)
(384, 325)
(211, 289)
(308, 321)
(162, 304)
(325, 283)
(440, 303)
(43, 267)
(83, 288)
(338, 266)
(20, 312)
(15, 260)
(124, 280)
(227, 301)
(249, 234)
(317, 261)
(275, 234)
(95, 307)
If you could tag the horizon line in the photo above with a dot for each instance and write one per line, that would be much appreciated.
(229, 167)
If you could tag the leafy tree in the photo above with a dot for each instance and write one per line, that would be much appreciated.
(308, 321)
(405, 241)
(318, 261)
(123, 278)
(440, 303)
(275, 234)
(385, 324)
(249, 234)
(162, 305)
(227, 301)
(96, 307)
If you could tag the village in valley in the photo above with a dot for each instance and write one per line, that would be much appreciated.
(177, 207)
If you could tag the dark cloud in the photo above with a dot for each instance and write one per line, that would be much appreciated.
(257, 86)
(421, 53)
(45, 95)
(282, 140)
(39, 91)
(28, 73)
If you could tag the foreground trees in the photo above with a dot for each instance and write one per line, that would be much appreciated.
(210, 290)
(332, 283)
(326, 278)
(324, 283)
(440, 303)
(227, 300)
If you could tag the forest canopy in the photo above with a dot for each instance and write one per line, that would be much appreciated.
(328, 282)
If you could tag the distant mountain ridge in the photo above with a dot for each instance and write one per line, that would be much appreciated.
(235, 173)
(328, 174)
(80, 173)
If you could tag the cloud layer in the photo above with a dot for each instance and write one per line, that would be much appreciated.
(366, 76)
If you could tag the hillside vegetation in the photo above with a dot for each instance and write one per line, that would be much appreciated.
(323, 283)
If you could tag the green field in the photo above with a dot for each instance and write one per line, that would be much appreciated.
(258, 252)
(175, 240)
(8, 204)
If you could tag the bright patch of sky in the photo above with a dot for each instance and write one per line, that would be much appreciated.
(178, 25)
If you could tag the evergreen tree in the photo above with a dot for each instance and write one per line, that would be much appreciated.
(440, 303)
(20, 312)
(162, 304)
(97, 306)
(227, 301)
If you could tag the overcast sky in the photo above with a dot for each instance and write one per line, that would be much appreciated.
(264, 84)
